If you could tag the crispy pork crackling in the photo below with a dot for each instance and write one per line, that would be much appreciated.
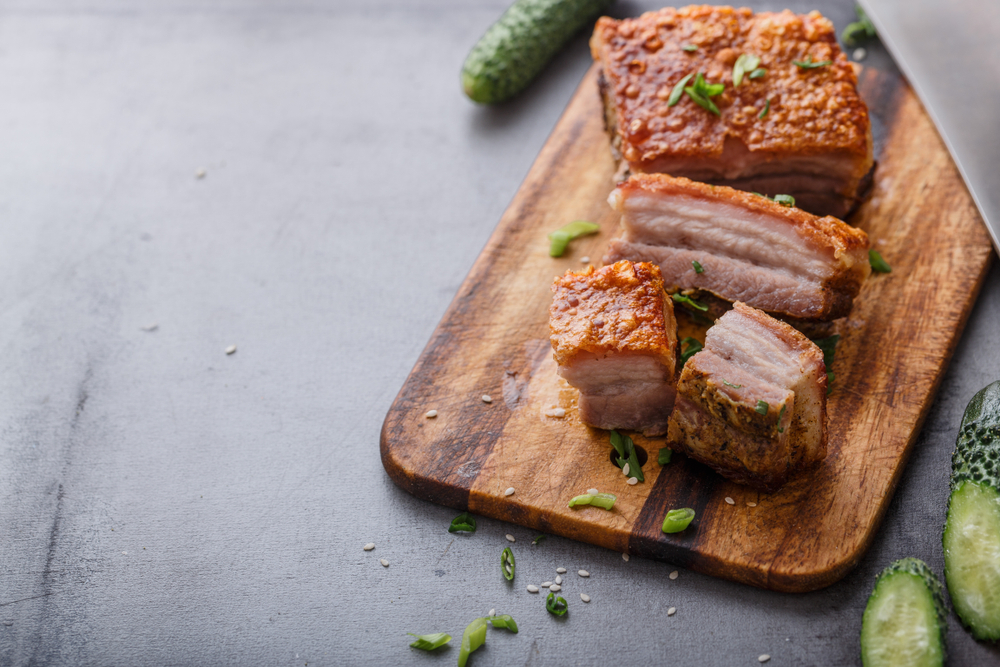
(802, 131)
(752, 403)
(773, 257)
(614, 337)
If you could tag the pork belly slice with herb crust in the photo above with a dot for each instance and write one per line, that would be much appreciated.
(752, 403)
(748, 248)
(614, 337)
(798, 129)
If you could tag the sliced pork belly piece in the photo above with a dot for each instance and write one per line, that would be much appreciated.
(752, 403)
(776, 258)
(802, 131)
(614, 337)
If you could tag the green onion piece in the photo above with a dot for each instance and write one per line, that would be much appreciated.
(730, 384)
(690, 47)
(688, 301)
(675, 94)
(829, 347)
(559, 239)
(701, 91)
(626, 454)
(663, 458)
(689, 348)
(472, 638)
(581, 500)
(504, 621)
(697, 266)
(745, 63)
(757, 73)
(462, 523)
(785, 200)
(762, 407)
(767, 107)
(430, 642)
(863, 27)
(809, 64)
(555, 606)
(677, 520)
(780, 415)
(879, 265)
(538, 539)
(507, 564)
(602, 500)
(757, 193)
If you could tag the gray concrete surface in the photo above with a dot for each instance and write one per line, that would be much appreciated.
(162, 503)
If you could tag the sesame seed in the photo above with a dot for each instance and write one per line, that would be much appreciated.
(750, 504)
(431, 414)
(584, 597)
(487, 398)
(859, 54)
(369, 546)
(510, 538)
(671, 611)
(625, 469)
(764, 658)
(559, 579)
(546, 584)
(493, 612)
(558, 413)
(200, 172)
(633, 480)
(585, 259)
(532, 588)
(730, 500)
(509, 491)
(593, 492)
(625, 557)
(384, 562)
(150, 327)
(583, 573)
(555, 588)
(231, 349)
(561, 570)
(674, 574)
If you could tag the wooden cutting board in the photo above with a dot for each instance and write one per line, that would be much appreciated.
(493, 340)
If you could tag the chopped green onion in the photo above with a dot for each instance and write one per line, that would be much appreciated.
(829, 347)
(626, 454)
(757, 193)
(538, 539)
(507, 564)
(473, 637)
(745, 63)
(780, 415)
(559, 239)
(555, 606)
(603, 500)
(688, 301)
(701, 91)
(663, 458)
(767, 107)
(462, 523)
(784, 200)
(697, 266)
(863, 27)
(430, 642)
(762, 407)
(730, 384)
(504, 621)
(809, 64)
(689, 348)
(677, 520)
(675, 94)
(757, 73)
(879, 265)
(690, 47)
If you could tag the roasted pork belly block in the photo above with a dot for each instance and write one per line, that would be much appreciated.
(802, 131)
(780, 259)
(614, 337)
(752, 403)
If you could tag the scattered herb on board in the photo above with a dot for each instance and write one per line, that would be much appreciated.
(504, 621)
(829, 347)
(863, 28)
(507, 564)
(698, 268)
(538, 539)
(767, 107)
(762, 407)
(701, 93)
(780, 415)
(430, 642)
(559, 239)
(730, 384)
(663, 458)
(677, 520)
(689, 348)
(688, 301)
(626, 454)
(602, 500)
(690, 48)
(879, 265)
(555, 605)
(462, 523)
(784, 200)
(809, 64)
(473, 637)
(675, 94)
(744, 64)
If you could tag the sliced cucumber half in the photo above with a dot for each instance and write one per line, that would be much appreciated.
(972, 557)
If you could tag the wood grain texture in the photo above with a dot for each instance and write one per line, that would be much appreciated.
(493, 340)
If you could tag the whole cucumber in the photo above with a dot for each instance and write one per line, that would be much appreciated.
(516, 48)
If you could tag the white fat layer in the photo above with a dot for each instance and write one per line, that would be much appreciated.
(615, 373)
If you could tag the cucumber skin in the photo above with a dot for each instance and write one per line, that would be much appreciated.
(516, 48)
(976, 459)
(919, 568)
